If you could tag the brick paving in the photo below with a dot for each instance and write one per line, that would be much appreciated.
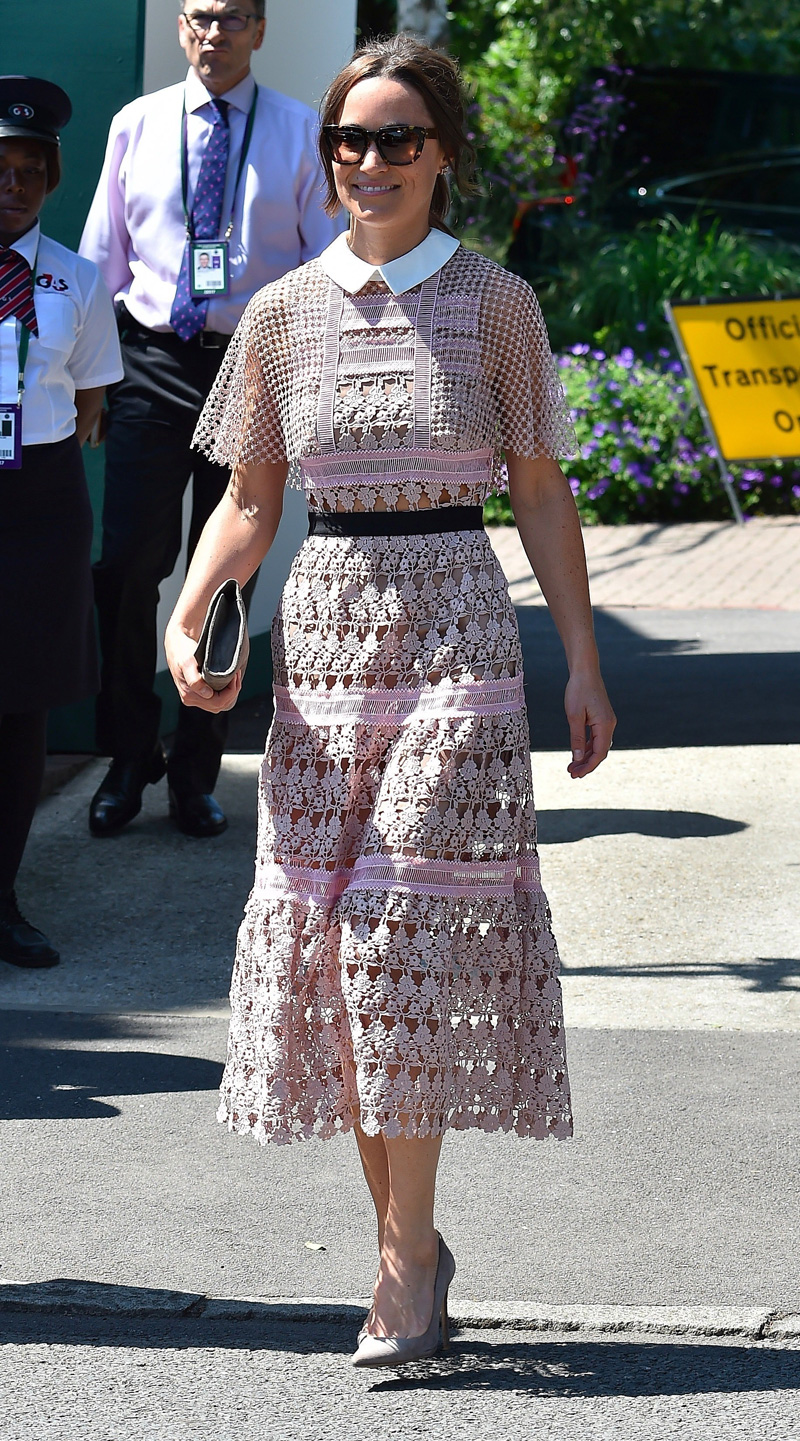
(702, 565)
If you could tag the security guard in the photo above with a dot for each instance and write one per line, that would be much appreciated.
(58, 350)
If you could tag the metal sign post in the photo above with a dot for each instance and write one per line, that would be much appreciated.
(743, 359)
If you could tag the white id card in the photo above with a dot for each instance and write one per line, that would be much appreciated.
(10, 437)
(208, 268)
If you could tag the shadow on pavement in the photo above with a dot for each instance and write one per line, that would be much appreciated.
(61, 1082)
(544, 1367)
(666, 692)
(559, 827)
(764, 973)
(602, 1368)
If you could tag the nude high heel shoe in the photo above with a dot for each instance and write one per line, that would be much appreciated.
(397, 1350)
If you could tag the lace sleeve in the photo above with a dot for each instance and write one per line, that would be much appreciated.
(240, 423)
(533, 414)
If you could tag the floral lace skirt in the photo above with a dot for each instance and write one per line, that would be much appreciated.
(396, 964)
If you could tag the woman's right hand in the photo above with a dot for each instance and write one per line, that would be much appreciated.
(192, 689)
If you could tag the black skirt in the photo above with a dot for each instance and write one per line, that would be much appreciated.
(47, 639)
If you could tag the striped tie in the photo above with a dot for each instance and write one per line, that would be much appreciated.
(16, 289)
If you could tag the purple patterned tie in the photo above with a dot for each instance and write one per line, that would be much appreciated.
(188, 316)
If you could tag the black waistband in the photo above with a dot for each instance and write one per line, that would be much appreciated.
(396, 522)
(167, 339)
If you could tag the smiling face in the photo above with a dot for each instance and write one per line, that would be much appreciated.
(23, 186)
(220, 58)
(389, 204)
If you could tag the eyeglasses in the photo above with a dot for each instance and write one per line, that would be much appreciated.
(396, 144)
(201, 23)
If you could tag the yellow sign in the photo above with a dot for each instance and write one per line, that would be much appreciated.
(744, 357)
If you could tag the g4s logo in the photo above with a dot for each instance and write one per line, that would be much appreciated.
(49, 282)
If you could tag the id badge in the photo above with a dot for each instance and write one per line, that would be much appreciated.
(208, 268)
(10, 437)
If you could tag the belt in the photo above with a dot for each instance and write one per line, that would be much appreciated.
(396, 522)
(167, 339)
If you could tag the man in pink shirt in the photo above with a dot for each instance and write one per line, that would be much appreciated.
(210, 189)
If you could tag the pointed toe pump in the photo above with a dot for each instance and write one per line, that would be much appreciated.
(397, 1350)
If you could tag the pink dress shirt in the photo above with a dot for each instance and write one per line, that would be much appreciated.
(135, 228)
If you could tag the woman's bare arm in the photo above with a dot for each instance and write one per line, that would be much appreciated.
(550, 531)
(234, 541)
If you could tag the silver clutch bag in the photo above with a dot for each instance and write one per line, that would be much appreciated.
(224, 644)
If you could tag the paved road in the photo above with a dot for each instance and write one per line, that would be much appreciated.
(201, 1381)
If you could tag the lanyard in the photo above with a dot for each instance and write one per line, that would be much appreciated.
(24, 341)
(187, 219)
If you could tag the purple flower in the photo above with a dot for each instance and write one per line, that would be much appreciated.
(615, 465)
(796, 491)
(579, 350)
(681, 487)
(598, 490)
(626, 357)
(776, 480)
(599, 429)
(598, 355)
(640, 326)
(664, 353)
(574, 485)
(756, 475)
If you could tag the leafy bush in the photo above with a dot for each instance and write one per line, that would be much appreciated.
(645, 454)
(523, 59)
(618, 299)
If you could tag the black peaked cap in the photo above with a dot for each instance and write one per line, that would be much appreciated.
(34, 108)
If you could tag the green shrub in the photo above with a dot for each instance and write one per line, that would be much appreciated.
(645, 454)
(618, 298)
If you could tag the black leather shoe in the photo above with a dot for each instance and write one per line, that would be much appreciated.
(119, 798)
(20, 942)
(196, 814)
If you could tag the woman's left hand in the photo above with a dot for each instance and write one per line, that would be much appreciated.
(591, 722)
(180, 650)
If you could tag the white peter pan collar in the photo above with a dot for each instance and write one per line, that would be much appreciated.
(352, 273)
(240, 96)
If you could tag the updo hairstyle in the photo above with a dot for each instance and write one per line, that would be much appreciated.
(436, 79)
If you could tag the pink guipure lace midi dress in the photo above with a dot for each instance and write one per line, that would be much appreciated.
(396, 961)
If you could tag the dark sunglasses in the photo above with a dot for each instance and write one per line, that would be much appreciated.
(396, 144)
(202, 23)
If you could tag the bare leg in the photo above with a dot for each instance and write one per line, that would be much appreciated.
(404, 1289)
(375, 1164)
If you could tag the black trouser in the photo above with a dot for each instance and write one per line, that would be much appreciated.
(23, 750)
(152, 416)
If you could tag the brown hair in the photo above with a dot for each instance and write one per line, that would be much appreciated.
(436, 79)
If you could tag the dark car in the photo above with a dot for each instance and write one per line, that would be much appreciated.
(761, 196)
(680, 142)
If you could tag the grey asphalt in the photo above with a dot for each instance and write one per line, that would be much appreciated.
(673, 879)
(200, 1381)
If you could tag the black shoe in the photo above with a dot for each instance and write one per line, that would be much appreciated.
(196, 814)
(119, 798)
(20, 942)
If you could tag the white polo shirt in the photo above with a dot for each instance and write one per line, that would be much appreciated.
(77, 347)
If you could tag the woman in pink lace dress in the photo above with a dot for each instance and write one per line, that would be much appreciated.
(396, 974)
